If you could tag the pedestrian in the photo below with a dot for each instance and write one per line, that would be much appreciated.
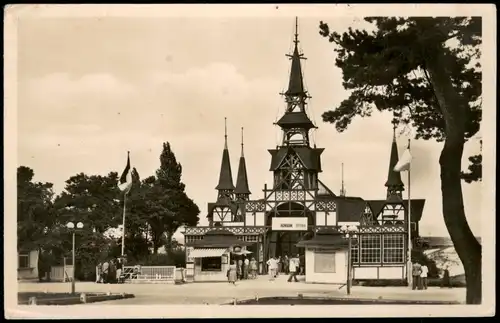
(246, 264)
(302, 264)
(446, 282)
(293, 266)
(280, 266)
(98, 273)
(253, 268)
(239, 268)
(271, 265)
(119, 266)
(286, 263)
(416, 271)
(105, 272)
(232, 273)
(423, 276)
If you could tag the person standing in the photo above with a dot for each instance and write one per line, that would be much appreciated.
(119, 267)
(416, 271)
(232, 273)
(246, 265)
(286, 263)
(301, 264)
(293, 266)
(423, 276)
(105, 272)
(280, 265)
(253, 268)
(98, 273)
(445, 282)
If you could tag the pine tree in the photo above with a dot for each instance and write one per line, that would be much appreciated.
(426, 72)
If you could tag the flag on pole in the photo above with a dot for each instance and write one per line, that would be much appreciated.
(404, 162)
(125, 182)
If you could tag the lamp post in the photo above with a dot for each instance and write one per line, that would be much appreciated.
(71, 226)
(349, 232)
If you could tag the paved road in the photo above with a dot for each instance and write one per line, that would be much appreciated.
(218, 293)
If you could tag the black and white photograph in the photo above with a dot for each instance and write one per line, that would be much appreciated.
(188, 160)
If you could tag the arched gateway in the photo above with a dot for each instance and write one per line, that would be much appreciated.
(298, 204)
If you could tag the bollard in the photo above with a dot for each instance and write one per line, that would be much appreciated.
(32, 301)
(46, 291)
(83, 298)
(257, 298)
(234, 301)
(108, 293)
(301, 296)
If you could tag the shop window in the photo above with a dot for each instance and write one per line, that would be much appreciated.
(394, 249)
(211, 264)
(370, 249)
(324, 261)
(23, 261)
(355, 253)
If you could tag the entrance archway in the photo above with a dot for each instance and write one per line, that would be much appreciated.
(281, 243)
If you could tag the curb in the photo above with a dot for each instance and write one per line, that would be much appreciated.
(74, 300)
(366, 301)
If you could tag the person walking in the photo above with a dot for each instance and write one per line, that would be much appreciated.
(105, 272)
(232, 273)
(293, 266)
(239, 268)
(280, 266)
(119, 267)
(302, 264)
(98, 274)
(423, 276)
(272, 265)
(286, 263)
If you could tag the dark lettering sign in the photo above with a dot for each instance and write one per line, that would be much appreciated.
(286, 225)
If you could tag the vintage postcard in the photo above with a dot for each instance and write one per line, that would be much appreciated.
(191, 160)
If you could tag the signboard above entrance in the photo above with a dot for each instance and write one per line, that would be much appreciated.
(289, 224)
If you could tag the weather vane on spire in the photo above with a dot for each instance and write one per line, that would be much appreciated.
(296, 30)
(225, 133)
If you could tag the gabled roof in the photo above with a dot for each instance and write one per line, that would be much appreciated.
(310, 157)
(225, 176)
(350, 209)
(393, 177)
(241, 179)
(325, 238)
(324, 191)
(297, 119)
(417, 207)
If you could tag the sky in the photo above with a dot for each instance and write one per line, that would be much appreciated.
(91, 89)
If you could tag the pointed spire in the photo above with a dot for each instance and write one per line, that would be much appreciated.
(342, 188)
(394, 183)
(242, 179)
(225, 176)
(296, 83)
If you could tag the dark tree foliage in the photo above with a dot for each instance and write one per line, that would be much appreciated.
(426, 71)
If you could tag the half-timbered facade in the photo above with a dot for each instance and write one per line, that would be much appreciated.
(298, 203)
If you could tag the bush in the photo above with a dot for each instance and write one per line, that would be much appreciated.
(431, 282)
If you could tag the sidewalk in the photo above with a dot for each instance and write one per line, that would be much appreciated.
(223, 292)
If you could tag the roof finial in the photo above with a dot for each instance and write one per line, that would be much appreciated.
(394, 126)
(342, 189)
(242, 154)
(296, 30)
(225, 133)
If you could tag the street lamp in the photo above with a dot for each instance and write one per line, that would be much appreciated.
(349, 232)
(71, 227)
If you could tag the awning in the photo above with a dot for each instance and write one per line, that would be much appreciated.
(207, 252)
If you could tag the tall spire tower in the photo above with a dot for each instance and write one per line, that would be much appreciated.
(295, 163)
(295, 123)
(225, 186)
(242, 191)
(394, 184)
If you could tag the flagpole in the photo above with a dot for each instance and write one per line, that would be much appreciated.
(123, 223)
(410, 274)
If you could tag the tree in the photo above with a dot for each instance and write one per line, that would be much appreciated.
(36, 218)
(94, 200)
(181, 209)
(425, 71)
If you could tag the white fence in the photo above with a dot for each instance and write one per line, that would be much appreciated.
(157, 273)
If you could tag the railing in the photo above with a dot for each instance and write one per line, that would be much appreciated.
(156, 273)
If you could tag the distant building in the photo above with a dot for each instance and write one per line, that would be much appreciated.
(298, 204)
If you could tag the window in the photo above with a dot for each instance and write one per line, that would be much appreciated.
(23, 261)
(355, 252)
(211, 264)
(252, 238)
(370, 249)
(191, 239)
(394, 248)
(324, 261)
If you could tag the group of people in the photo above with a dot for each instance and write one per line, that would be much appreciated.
(292, 266)
(242, 269)
(420, 273)
(110, 271)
